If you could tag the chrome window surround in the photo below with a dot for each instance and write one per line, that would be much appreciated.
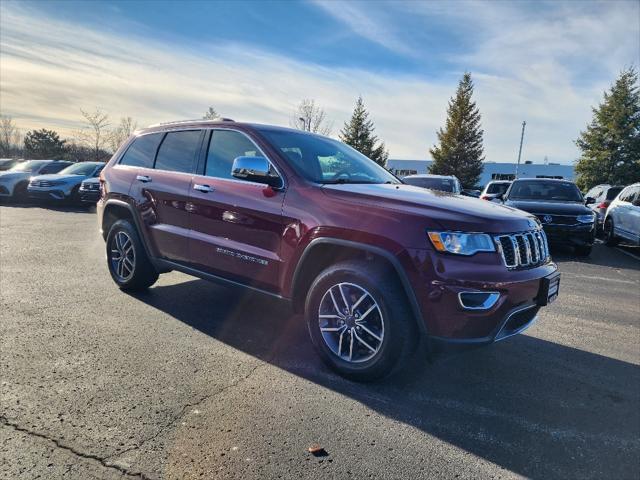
(529, 249)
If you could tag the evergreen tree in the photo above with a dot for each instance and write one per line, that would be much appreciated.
(611, 143)
(43, 144)
(358, 133)
(460, 152)
(211, 114)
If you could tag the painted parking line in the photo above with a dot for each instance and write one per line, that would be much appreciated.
(629, 253)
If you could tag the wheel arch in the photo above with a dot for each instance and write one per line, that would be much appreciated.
(114, 210)
(322, 252)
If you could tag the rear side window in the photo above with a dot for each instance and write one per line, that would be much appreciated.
(224, 147)
(142, 151)
(613, 192)
(497, 188)
(178, 151)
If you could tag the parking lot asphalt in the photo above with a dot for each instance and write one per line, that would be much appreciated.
(194, 380)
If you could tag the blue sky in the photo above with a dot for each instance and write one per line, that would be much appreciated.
(544, 62)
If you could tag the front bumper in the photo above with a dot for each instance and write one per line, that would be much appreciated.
(89, 196)
(573, 235)
(442, 278)
(46, 194)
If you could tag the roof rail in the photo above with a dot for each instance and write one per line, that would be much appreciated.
(197, 120)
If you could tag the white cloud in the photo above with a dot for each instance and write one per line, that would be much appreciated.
(51, 68)
(364, 24)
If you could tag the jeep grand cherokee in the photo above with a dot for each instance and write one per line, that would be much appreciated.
(371, 262)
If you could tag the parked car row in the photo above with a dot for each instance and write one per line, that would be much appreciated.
(53, 180)
(566, 215)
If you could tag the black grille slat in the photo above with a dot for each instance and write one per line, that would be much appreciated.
(523, 250)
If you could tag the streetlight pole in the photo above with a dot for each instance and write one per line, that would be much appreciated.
(520, 151)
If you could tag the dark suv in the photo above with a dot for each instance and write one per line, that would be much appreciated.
(373, 263)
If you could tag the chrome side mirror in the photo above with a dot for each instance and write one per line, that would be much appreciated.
(255, 169)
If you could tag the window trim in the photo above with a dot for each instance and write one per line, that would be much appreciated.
(202, 169)
(119, 162)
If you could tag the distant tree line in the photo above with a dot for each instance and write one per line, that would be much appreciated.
(609, 146)
(95, 140)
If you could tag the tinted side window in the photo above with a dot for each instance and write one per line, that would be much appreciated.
(53, 168)
(142, 151)
(224, 147)
(178, 151)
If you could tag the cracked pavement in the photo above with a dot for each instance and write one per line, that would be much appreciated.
(194, 380)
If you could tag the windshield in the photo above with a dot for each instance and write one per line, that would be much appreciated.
(323, 160)
(498, 188)
(79, 169)
(541, 190)
(434, 183)
(30, 166)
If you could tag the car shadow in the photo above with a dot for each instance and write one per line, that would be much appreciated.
(58, 207)
(600, 255)
(534, 407)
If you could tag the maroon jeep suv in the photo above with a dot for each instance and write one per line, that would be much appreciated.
(373, 263)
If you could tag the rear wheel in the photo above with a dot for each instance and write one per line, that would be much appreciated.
(359, 320)
(128, 262)
(609, 233)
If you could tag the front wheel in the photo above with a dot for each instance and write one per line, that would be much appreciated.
(20, 193)
(128, 262)
(359, 320)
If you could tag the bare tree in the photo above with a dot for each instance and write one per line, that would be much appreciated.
(123, 131)
(9, 136)
(95, 134)
(211, 114)
(311, 118)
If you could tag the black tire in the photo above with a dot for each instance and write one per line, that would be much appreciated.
(584, 250)
(74, 197)
(20, 193)
(140, 273)
(399, 336)
(609, 234)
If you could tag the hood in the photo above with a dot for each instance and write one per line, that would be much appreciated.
(446, 211)
(14, 175)
(57, 177)
(550, 208)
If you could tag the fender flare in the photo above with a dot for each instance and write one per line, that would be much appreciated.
(136, 224)
(385, 254)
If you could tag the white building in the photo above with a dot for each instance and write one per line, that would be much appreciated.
(492, 170)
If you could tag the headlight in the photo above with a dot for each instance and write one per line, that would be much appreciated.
(461, 243)
(588, 218)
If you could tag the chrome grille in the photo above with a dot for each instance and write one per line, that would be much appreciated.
(43, 183)
(523, 250)
(90, 186)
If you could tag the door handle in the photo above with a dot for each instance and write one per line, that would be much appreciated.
(143, 178)
(202, 188)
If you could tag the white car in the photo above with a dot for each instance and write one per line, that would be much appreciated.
(622, 221)
(14, 182)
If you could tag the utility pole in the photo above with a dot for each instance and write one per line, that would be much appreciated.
(520, 151)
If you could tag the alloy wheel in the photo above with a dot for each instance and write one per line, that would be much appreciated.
(123, 256)
(351, 322)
